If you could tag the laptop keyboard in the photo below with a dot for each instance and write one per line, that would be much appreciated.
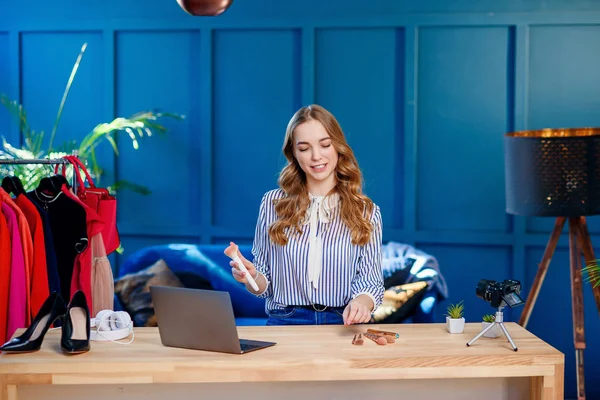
(248, 346)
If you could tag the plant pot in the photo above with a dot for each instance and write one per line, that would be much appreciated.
(492, 333)
(455, 325)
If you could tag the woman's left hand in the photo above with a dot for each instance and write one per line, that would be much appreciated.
(358, 311)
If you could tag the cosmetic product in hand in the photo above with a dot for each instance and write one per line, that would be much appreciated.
(232, 252)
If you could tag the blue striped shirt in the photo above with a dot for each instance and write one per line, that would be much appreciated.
(347, 269)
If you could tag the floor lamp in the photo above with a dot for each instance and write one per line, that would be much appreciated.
(556, 173)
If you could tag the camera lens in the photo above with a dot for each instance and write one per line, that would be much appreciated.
(482, 288)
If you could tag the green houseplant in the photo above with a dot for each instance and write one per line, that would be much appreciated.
(487, 320)
(455, 320)
(137, 127)
(592, 273)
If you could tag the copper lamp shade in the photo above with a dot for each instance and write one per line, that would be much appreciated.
(553, 172)
(205, 8)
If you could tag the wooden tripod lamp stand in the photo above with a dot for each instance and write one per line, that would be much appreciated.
(556, 173)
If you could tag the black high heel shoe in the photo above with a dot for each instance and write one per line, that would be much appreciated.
(75, 336)
(32, 338)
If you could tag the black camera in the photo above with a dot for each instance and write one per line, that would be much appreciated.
(500, 294)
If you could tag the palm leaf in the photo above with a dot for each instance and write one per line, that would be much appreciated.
(33, 140)
(66, 94)
(592, 273)
(123, 184)
(137, 127)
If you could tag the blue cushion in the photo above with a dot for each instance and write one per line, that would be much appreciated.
(209, 262)
(250, 321)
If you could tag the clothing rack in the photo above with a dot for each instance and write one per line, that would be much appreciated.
(32, 161)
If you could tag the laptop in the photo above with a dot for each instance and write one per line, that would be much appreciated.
(200, 320)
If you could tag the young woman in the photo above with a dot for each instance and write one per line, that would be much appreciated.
(317, 245)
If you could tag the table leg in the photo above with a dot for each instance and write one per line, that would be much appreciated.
(549, 387)
(12, 392)
(7, 391)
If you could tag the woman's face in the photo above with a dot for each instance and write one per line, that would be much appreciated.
(316, 155)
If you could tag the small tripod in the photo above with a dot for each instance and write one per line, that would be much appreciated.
(499, 320)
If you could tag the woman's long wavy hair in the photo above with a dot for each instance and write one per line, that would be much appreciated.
(355, 208)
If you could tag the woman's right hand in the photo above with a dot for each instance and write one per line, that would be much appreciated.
(239, 275)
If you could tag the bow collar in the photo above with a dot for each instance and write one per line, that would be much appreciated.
(321, 207)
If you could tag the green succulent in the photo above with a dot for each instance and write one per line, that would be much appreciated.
(455, 311)
(489, 318)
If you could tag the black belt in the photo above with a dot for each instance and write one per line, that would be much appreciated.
(317, 307)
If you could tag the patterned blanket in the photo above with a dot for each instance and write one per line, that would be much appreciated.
(414, 264)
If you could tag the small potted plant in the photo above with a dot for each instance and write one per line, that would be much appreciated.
(487, 320)
(455, 322)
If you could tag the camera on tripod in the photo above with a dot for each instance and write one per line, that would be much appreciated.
(500, 294)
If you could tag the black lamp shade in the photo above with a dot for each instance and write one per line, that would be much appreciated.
(553, 172)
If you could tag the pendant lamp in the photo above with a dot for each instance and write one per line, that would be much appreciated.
(205, 8)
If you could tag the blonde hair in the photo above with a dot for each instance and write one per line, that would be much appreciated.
(355, 208)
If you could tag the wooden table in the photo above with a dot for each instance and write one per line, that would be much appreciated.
(424, 353)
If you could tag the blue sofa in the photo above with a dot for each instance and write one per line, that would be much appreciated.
(211, 266)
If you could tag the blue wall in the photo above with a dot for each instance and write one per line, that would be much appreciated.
(424, 92)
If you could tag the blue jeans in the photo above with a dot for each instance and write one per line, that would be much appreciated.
(305, 315)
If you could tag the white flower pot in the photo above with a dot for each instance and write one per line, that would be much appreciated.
(455, 325)
(492, 333)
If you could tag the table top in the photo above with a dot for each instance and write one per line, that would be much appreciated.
(302, 353)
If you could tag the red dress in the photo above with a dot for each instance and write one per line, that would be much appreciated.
(39, 288)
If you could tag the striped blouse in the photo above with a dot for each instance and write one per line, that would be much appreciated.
(347, 270)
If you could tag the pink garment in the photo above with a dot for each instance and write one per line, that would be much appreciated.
(92, 273)
(103, 287)
(17, 298)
